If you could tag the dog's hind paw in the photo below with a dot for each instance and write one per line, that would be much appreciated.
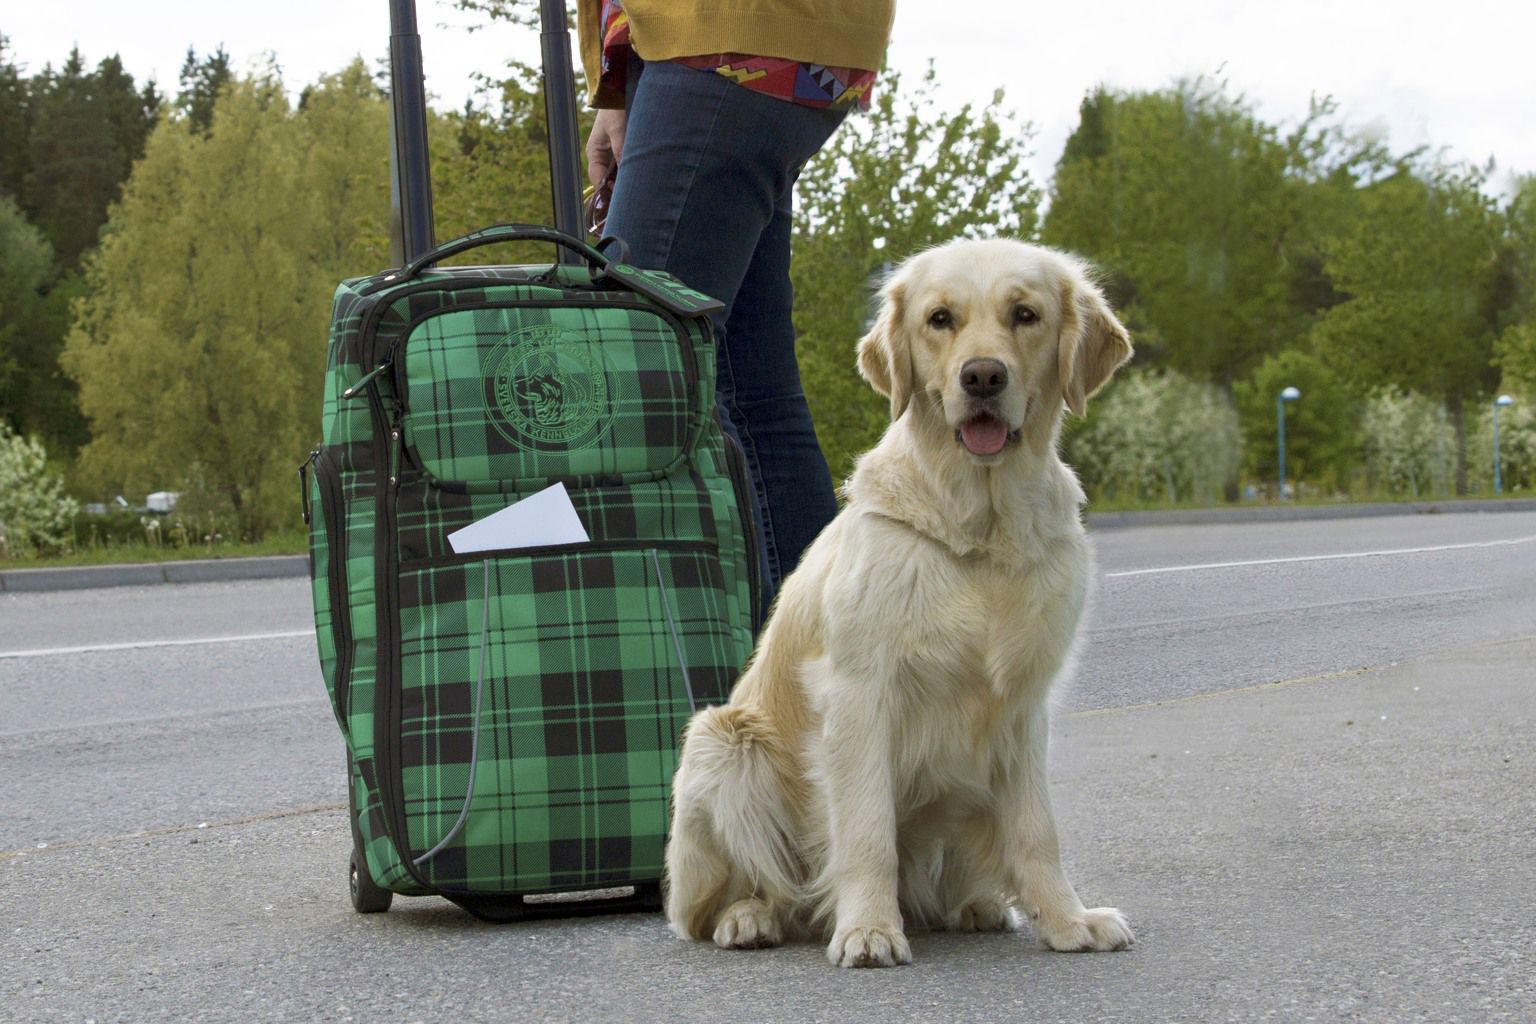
(748, 924)
(1096, 931)
(869, 947)
(987, 915)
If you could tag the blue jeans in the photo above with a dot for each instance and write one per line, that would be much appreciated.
(704, 192)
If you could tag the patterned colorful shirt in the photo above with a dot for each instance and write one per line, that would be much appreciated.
(810, 85)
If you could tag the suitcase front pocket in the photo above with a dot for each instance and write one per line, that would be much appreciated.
(501, 396)
(541, 705)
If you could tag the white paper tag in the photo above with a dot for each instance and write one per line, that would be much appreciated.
(539, 520)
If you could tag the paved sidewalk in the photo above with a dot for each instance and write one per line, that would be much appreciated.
(1355, 847)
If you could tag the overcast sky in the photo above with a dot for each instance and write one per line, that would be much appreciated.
(1455, 75)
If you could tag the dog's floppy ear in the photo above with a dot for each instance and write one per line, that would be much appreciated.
(885, 355)
(1094, 343)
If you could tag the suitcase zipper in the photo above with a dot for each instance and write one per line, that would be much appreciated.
(341, 619)
(386, 731)
(702, 547)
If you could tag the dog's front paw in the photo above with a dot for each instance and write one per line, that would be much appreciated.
(869, 947)
(748, 924)
(985, 915)
(1095, 931)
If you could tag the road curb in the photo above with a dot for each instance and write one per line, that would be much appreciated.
(1298, 513)
(213, 570)
(208, 570)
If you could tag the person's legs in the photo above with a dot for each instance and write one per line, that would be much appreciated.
(703, 192)
(759, 387)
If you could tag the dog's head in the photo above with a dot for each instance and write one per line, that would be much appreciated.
(995, 335)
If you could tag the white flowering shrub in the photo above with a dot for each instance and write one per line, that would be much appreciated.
(1517, 445)
(1409, 445)
(1158, 436)
(35, 513)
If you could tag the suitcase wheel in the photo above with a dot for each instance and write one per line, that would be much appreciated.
(367, 898)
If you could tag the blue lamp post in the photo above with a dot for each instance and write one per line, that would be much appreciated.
(1498, 403)
(1288, 395)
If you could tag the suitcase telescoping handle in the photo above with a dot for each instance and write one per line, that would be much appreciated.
(411, 231)
(565, 165)
(410, 206)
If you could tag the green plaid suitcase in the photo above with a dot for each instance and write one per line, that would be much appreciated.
(512, 717)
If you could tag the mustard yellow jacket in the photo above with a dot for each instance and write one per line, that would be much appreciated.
(838, 33)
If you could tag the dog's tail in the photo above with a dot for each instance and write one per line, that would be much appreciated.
(735, 804)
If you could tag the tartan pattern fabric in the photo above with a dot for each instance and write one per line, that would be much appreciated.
(503, 394)
(580, 704)
(590, 652)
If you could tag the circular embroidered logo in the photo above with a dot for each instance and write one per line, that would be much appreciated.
(545, 387)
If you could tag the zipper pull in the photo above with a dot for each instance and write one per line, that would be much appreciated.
(356, 389)
(394, 454)
(304, 505)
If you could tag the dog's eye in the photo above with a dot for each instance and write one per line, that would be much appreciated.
(1025, 316)
(941, 319)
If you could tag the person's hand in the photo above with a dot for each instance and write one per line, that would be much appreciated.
(606, 144)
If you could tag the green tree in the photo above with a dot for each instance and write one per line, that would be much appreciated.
(202, 79)
(1322, 430)
(36, 398)
(890, 183)
(1187, 199)
(15, 125)
(87, 128)
(1515, 350)
(1515, 353)
(491, 163)
(1420, 266)
(200, 350)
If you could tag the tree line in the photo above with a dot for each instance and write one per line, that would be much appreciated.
(170, 262)
(1394, 290)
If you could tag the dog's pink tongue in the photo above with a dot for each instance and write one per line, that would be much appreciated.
(984, 436)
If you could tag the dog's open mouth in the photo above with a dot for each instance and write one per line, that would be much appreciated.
(985, 434)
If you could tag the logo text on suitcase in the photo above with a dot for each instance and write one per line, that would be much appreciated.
(546, 386)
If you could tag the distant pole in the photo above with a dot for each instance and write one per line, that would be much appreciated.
(1502, 400)
(1288, 395)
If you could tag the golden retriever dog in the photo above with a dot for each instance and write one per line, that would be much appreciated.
(881, 765)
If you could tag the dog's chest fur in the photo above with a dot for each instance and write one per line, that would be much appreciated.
(967, 645)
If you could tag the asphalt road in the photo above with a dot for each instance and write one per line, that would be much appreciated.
(1352, 842)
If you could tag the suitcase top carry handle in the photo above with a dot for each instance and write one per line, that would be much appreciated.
(666, 291)
(503, 233)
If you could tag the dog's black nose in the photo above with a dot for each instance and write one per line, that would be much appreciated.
(983, 378)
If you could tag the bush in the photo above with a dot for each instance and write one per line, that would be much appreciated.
(1409, 445)
(1159, 436)
(1517, 445)
(35, 514)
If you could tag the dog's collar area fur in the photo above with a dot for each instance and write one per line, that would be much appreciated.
(1011, 499)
